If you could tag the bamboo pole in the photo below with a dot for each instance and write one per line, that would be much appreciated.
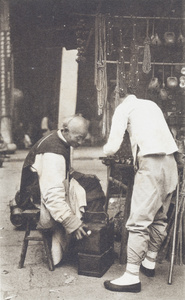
(174, 237)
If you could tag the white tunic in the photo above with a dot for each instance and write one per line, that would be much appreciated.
(146, 126)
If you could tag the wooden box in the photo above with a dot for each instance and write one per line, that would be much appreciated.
(95, 265)
(100, 239)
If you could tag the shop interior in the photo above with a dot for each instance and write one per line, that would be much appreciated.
(118, 42)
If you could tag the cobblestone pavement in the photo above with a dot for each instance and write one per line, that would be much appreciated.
(35, 281)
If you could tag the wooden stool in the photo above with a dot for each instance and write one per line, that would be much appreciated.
(30, 215)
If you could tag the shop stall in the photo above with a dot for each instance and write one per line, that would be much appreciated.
(146, 53)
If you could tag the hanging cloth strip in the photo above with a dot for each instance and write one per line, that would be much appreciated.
(146, 67)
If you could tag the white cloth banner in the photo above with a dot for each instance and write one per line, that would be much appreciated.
(68, 85)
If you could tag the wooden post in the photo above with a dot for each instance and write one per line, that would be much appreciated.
(6, 77)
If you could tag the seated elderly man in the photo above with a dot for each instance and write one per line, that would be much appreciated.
(45, 182)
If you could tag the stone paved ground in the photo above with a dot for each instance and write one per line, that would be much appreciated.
(35, 281)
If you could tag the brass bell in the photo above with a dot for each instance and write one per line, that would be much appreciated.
(181, 39)
(154, 84)
(183, 71)
(163, 94)
(172, 81)
(156, 40)
(169, 38)
(182, 82)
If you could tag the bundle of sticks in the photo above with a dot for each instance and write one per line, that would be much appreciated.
(173, 248)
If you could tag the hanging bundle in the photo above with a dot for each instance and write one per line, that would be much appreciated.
(100, 63)
(155, 40)
(146, 67)
(181, 38)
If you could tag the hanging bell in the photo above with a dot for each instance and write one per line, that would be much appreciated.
(182, 82)
(172, 82)
(169, 38)
(163, 94)
(154, 84)
(183, 71)
(181, 39)
(182, 85)
(155, 40)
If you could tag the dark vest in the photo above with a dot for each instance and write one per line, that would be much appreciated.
(29, 188)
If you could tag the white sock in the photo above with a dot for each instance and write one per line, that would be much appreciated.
(148, 264)
(150, 260)
(131, 276)
(133, 269)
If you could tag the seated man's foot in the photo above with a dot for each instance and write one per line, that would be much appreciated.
(126, 283)
(147, 272)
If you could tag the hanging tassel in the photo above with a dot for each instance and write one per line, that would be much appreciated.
(146, 67)
(100, 63)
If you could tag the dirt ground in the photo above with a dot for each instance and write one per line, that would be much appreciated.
(35, 281)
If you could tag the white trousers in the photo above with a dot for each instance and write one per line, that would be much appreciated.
(154, 183)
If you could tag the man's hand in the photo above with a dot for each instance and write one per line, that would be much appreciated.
(81, 232)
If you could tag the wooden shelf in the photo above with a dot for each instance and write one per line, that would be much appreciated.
(152, 63)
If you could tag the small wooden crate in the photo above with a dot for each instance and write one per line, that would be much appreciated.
(100, 239)
(95, 265)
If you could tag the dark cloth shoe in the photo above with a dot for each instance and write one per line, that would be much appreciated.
(147, 272)
(132, 288)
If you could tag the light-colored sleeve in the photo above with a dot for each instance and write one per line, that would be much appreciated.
(51, 179)
(118, 128)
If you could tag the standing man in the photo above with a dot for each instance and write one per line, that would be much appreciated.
(156, 178)
(44, 179)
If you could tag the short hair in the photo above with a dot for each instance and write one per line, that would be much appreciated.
(68, 119)
(128, 90)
